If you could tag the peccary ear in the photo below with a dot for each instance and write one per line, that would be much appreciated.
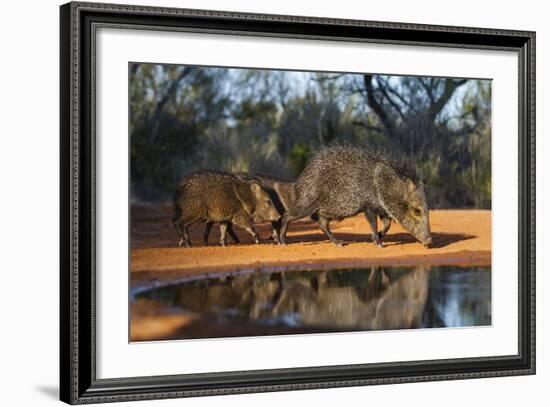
(256, 189)
(392, 191)
(410, 186)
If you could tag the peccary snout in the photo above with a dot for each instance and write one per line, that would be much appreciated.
(415, 216)
(282, 194)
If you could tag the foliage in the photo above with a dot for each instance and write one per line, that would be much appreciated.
(185, 119)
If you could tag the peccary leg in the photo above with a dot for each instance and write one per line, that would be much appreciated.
(387, 223)
(208, 228)
(223, 228)
(250, 229)
(182, 232)
(185, 229)
(276, 226)
(324, 225)
(177, 226)
(246, 225)
(207, 232)
(232, 233)
(287, 218)
(371, 218)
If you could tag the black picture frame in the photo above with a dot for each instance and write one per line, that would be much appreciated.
(78, 382)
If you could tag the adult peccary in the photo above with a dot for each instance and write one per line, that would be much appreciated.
(216, 197)
(342, 181)
(282, 194)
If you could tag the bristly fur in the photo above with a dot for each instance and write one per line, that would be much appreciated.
(402, 166)
(213, 173)
(343, 180)
(204, 173)
(218, 197)
(260, 177)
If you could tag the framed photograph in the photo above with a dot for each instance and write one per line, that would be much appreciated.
(255, 203)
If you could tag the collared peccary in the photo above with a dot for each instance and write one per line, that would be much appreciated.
(282, 194)
(221, 198)
(342, 181)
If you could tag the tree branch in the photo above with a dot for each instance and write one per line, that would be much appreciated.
(329, 78)
(395, 106)
(134, 70)
(155, 118)
(375, 106)
(401, 98)
(428, 89)
(367, 126)
(451, 85)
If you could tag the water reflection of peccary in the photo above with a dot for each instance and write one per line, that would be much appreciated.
(282, 194)
(379, 302)
(342, 181)
(221, 198)
(390, 305)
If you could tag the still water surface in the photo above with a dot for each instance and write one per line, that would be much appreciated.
(373, 298)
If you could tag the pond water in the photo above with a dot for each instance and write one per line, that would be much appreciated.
(351, 299)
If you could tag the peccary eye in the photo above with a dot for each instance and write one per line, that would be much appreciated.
(417, 212)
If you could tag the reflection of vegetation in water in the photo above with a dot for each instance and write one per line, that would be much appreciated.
(451, 306)
(342, 299)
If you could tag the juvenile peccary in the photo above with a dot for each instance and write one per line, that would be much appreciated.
(282, 194)
(217, 197)
(342, 181)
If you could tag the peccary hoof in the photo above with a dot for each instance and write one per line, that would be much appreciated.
(339, 243)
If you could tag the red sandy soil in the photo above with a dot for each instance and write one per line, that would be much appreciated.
(461, 237)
